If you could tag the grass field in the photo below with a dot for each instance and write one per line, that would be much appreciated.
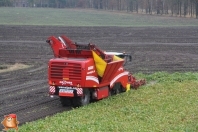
(168, 103)
(80, 17)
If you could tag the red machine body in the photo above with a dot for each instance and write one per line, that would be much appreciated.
(80, 73)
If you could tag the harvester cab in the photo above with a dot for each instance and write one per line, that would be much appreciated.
(127, 57)
(79, 73)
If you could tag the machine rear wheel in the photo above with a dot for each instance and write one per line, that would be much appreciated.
(117, 89)
(65, 101)
(82, 100)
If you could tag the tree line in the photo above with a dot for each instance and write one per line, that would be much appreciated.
(171, 7)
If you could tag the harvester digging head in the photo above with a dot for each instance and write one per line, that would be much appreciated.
(135, 84)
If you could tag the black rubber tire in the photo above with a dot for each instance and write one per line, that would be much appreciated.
(83, 100)
(116, 89)
(110, 92)
(65, 101)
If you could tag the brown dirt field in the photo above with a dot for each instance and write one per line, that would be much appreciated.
(25, 91)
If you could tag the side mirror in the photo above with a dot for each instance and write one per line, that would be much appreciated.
(127, 58)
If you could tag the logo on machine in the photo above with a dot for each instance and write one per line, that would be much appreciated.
(66, 82)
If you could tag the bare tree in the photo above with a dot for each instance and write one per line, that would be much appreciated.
(112, 4)
(185, 7)
(196, 8)
(158, 6)
(132, 5)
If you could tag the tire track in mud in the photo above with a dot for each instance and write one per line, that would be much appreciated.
(29, 100)
(35, 109)
(22, 91)
(25, 91)
(42, 110)
(15, 88)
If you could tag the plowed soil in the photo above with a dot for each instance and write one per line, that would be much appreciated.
(25, 91)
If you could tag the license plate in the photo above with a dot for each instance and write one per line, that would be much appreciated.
(66, 90)
(63, 89)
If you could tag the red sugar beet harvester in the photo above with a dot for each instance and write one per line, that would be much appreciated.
(80, 73)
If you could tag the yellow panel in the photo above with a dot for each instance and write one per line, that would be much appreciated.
(128, 87)
(100, 64)
(116, 58)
